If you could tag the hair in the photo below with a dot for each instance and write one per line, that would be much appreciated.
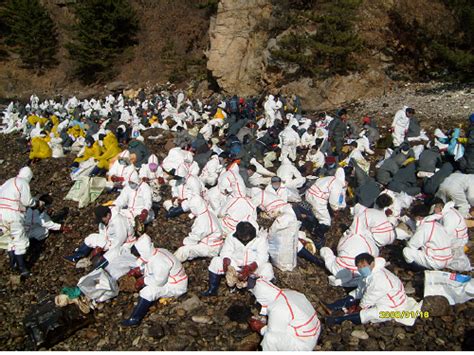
(354, 144)
(383, 200)
(410, 110)
(245, 232)
(364, 257)
(252, 167)
(437, 201)
(419, 211)
(46, 198)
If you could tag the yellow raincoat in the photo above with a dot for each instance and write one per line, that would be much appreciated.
(90, 152)
(40, 149)
(111, 150)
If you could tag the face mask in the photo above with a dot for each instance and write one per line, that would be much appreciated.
(122, 162)
(275, 187)
(133, 185)
(153, 167)
(365, 271)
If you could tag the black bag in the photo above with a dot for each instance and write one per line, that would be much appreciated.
(47, 324)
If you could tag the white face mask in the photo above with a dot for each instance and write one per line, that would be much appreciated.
(101, 143)
(133, 185)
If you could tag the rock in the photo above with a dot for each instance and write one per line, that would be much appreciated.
(156, 331)
(437, 306)
(399, 333)
(202, 319)
(177, 343)
(235, 56)
(116, 86)
(360, 334)
(180, 312)
(15, 281)
(249, 343)
(191, 304)
(409, 289)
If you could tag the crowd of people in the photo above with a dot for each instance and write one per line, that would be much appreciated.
(234, 163)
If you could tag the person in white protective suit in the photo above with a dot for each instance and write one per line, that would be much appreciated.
(163, 277)
(205, 238)
(245, 251)
(328, 190)
(292, 322)
(270, 107)
(256, 179)
(15, 198)
(400, 125)
(374, 221)
(120, 171)
(315, 156)
(458, 188)
(292, 179)
(356, 156)
(342, 267)
(308, 139)
(278, 188)
(210, 172)
(114, 240)
(379, 293)
(430, 245)
(152, 174)
(176, 157)
(289, 140)
(455, 225)
(135, 200)
(236, 209)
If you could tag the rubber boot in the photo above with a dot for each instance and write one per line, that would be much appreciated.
(345, 302)
(138, 313)
(174, 212)
(305, 254)
(102, 264)
(12, 260)
(82, 251)
(352, 317)
(20, 261)
(214, 281)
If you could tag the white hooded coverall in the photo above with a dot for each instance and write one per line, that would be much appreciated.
(240, 255)
(205, 238)
(327, 190)
(15, 197)
(400, 126)
(132, 202)
(375, 222)
(292, 324)
(152, 176)
(163, 272)
(430, 246)
(237, 209)
(342, 266)
(458, 188)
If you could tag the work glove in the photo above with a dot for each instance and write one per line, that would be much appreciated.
(97, 251)
(65, 229)
(140, 283)
(226, 264)
(161, 181)
(117, 179)
(143, 216)
(135, 272)
(247, 270)
(145, 179)
(256, 324)
(353, 309)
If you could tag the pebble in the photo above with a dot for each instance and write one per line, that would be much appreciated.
(202, 319)
(360, 334)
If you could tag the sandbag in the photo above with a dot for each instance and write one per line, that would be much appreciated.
(98, 285)
(46, 324)
(457, 288)
(86, 190)
(283, 247)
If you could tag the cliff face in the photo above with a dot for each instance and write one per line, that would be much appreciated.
(180, 41)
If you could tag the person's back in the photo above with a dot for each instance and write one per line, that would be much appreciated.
(429, 160)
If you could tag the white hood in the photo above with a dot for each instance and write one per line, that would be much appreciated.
(26, 173)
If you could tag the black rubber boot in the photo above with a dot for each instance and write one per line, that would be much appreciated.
(345, 302)
(174, 212)
(214, 281)
(12, 260)
(95, 171)
(138, 313)
(82, 251)
(305, 254)
(353, 317)
(20, 261)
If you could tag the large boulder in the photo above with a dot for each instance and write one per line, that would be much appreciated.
(235, 56)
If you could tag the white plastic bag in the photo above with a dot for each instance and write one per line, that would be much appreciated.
(98, 285)
(283, 246)
(456, 288)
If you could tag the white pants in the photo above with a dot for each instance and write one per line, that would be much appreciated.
(216, 266)
(18, 241)
(419, 257)
(460, 198)
(320, 210)
(257, 182)
(95, 240)
(268, 159)
(210, 180)
(347, 277)
(285, 341)
(295, 183)
(398, 136)
(193, 251)
(152, 293)
(288, 151)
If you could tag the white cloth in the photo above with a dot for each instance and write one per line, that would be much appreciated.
(132, 202)
(400, 126)
(289, 140)
(375, 223)
(458, 188)
(235, 210)
(210, 172)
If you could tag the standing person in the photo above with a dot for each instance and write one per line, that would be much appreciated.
(400, 125)
(15, 198)
(337, 131)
